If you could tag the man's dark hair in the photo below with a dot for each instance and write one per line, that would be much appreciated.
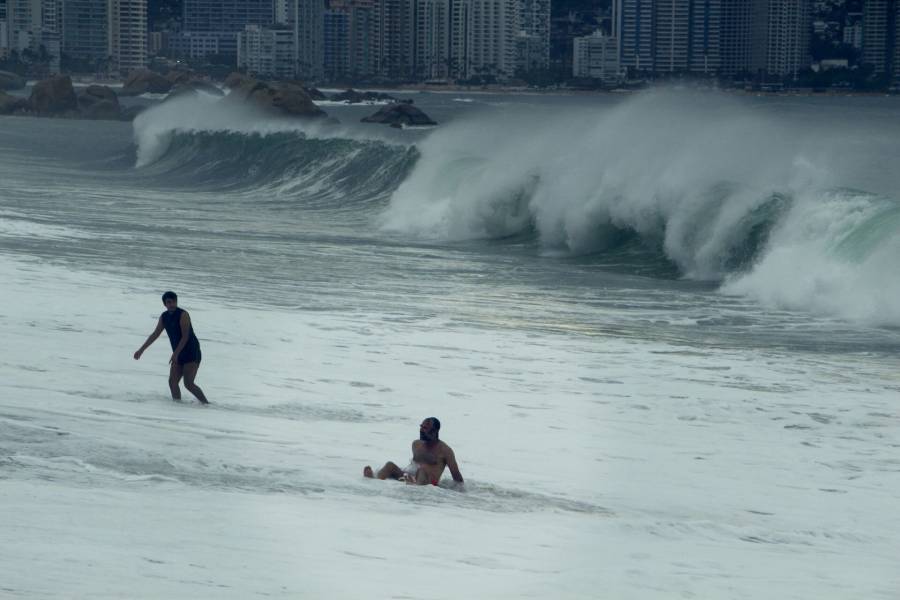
(435, 424)
(168, 295)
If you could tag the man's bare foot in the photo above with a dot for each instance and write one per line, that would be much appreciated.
(367, 472)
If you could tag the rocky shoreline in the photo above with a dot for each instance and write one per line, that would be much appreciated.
(57, 97)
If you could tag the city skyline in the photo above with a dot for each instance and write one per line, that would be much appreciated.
(474, 41)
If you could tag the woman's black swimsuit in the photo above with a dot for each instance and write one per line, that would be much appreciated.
(191, 351)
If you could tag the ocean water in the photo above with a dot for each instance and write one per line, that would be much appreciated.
(661, 332)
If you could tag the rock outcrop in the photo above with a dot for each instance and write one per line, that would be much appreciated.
(11, 81)
(400, 114)
(192, 88)
(354, 97)
(145, 82)
(12, 104)
(54, 97)
(289, 99)
(99, 102)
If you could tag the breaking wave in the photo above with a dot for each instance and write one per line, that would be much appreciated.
(721, 192)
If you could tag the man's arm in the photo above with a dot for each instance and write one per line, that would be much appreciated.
(150, 339)
(454, 468)
(185, 323)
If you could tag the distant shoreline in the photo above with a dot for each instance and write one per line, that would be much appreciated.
(495, 89)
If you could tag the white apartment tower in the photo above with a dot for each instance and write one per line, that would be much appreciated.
(393, 38)
(486, 39)
(596, 56)
(266, 51)
(128, 34)
(34, 24)
(780, 36)
(432, 22)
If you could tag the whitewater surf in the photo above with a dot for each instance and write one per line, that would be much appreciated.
(660, 332)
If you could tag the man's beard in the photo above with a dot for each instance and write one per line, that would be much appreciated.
(428, 437)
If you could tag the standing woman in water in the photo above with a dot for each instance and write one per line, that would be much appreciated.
(185, 359)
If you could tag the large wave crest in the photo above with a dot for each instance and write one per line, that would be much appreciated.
(724, 192)
(203, 143)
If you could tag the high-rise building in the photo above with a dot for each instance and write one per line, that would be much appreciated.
(308, 24)
(360, 37)
(128, 34)
(86, 30)
(672, 20)
(634, 28)
(596, 56)
(669, 36)
(705, 37)
(336, 42)
(393, 37)
(282, 12)
(779, 38)
(853, 35)
(266, 51)
(484, 46)
(223, 19)
(34, 26)
(4, 31)
(881, 37)
(737, 20)
(347, 40)
(431, 37)
(533, 39)
(459, 37)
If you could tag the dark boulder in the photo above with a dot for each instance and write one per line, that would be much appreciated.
(283, 99)
(12, 104)
(53, 97)
(354, 97)
(11, 81)
(145, 82)
(400, 114)
(315, 93)
(192, 88)
(99, 102)
(178, 76)
(234, 79)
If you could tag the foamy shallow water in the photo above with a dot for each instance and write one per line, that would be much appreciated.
(626, 429)
(595, 467)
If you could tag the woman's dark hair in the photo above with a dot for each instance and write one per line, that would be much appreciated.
(168, 295)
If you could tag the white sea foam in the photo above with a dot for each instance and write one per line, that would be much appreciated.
(154, 128)
(681, 472)
(698, 176)
(26, 228)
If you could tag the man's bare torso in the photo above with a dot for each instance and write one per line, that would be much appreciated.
(431, 460)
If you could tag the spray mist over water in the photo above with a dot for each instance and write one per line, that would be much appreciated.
(719, 189)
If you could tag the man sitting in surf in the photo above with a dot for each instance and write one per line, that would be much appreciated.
(430, 456)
